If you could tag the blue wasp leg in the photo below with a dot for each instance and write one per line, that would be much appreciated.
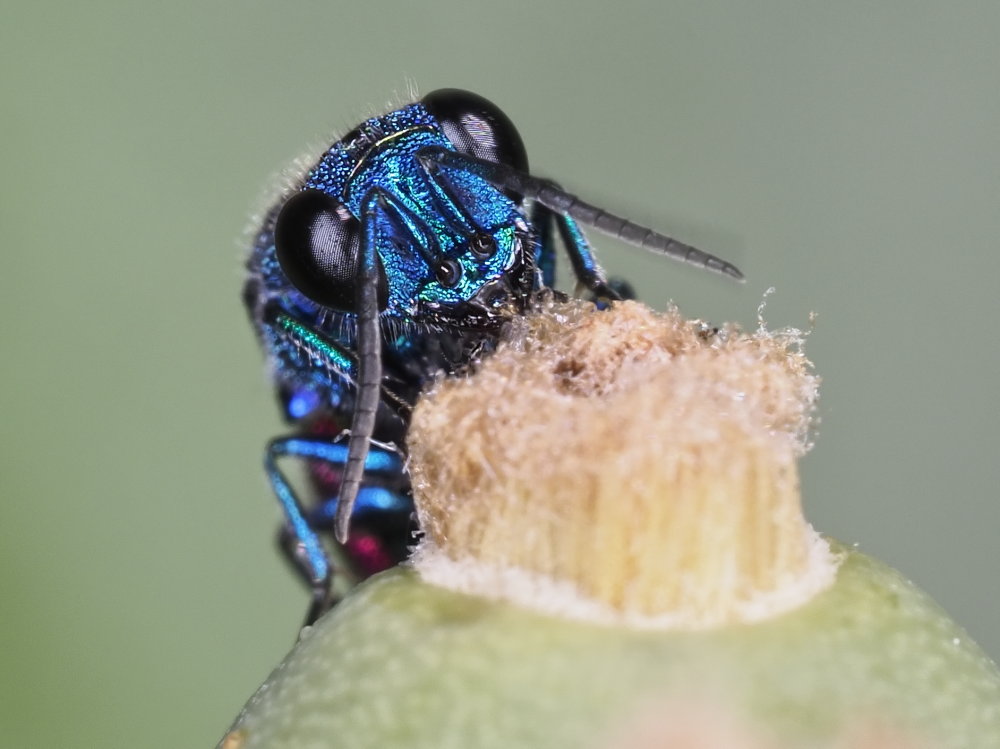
(578, 249)
(545, 255)
(288, 337)
(588, 273)
(298, 539)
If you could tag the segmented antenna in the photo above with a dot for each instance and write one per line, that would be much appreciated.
(369, 373)
(555, 198)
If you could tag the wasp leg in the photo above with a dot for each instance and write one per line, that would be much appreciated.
(545, 254)
(377, 557)
(298, 539)
(322, 598)
(588, 273)
(619, 286)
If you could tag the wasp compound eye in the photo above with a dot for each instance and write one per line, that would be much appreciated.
(482, 246)
(476, 126)
(316, 241)
(448, 272)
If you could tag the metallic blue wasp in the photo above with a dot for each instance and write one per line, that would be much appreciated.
(398, 256)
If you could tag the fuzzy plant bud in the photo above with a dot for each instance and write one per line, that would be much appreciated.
(614, 556)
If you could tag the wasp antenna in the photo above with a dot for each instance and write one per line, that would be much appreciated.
(555, 198)
(369, 344)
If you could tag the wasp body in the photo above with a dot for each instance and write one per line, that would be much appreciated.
(398, 256)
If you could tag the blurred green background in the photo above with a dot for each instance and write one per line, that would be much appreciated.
(846, 153)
